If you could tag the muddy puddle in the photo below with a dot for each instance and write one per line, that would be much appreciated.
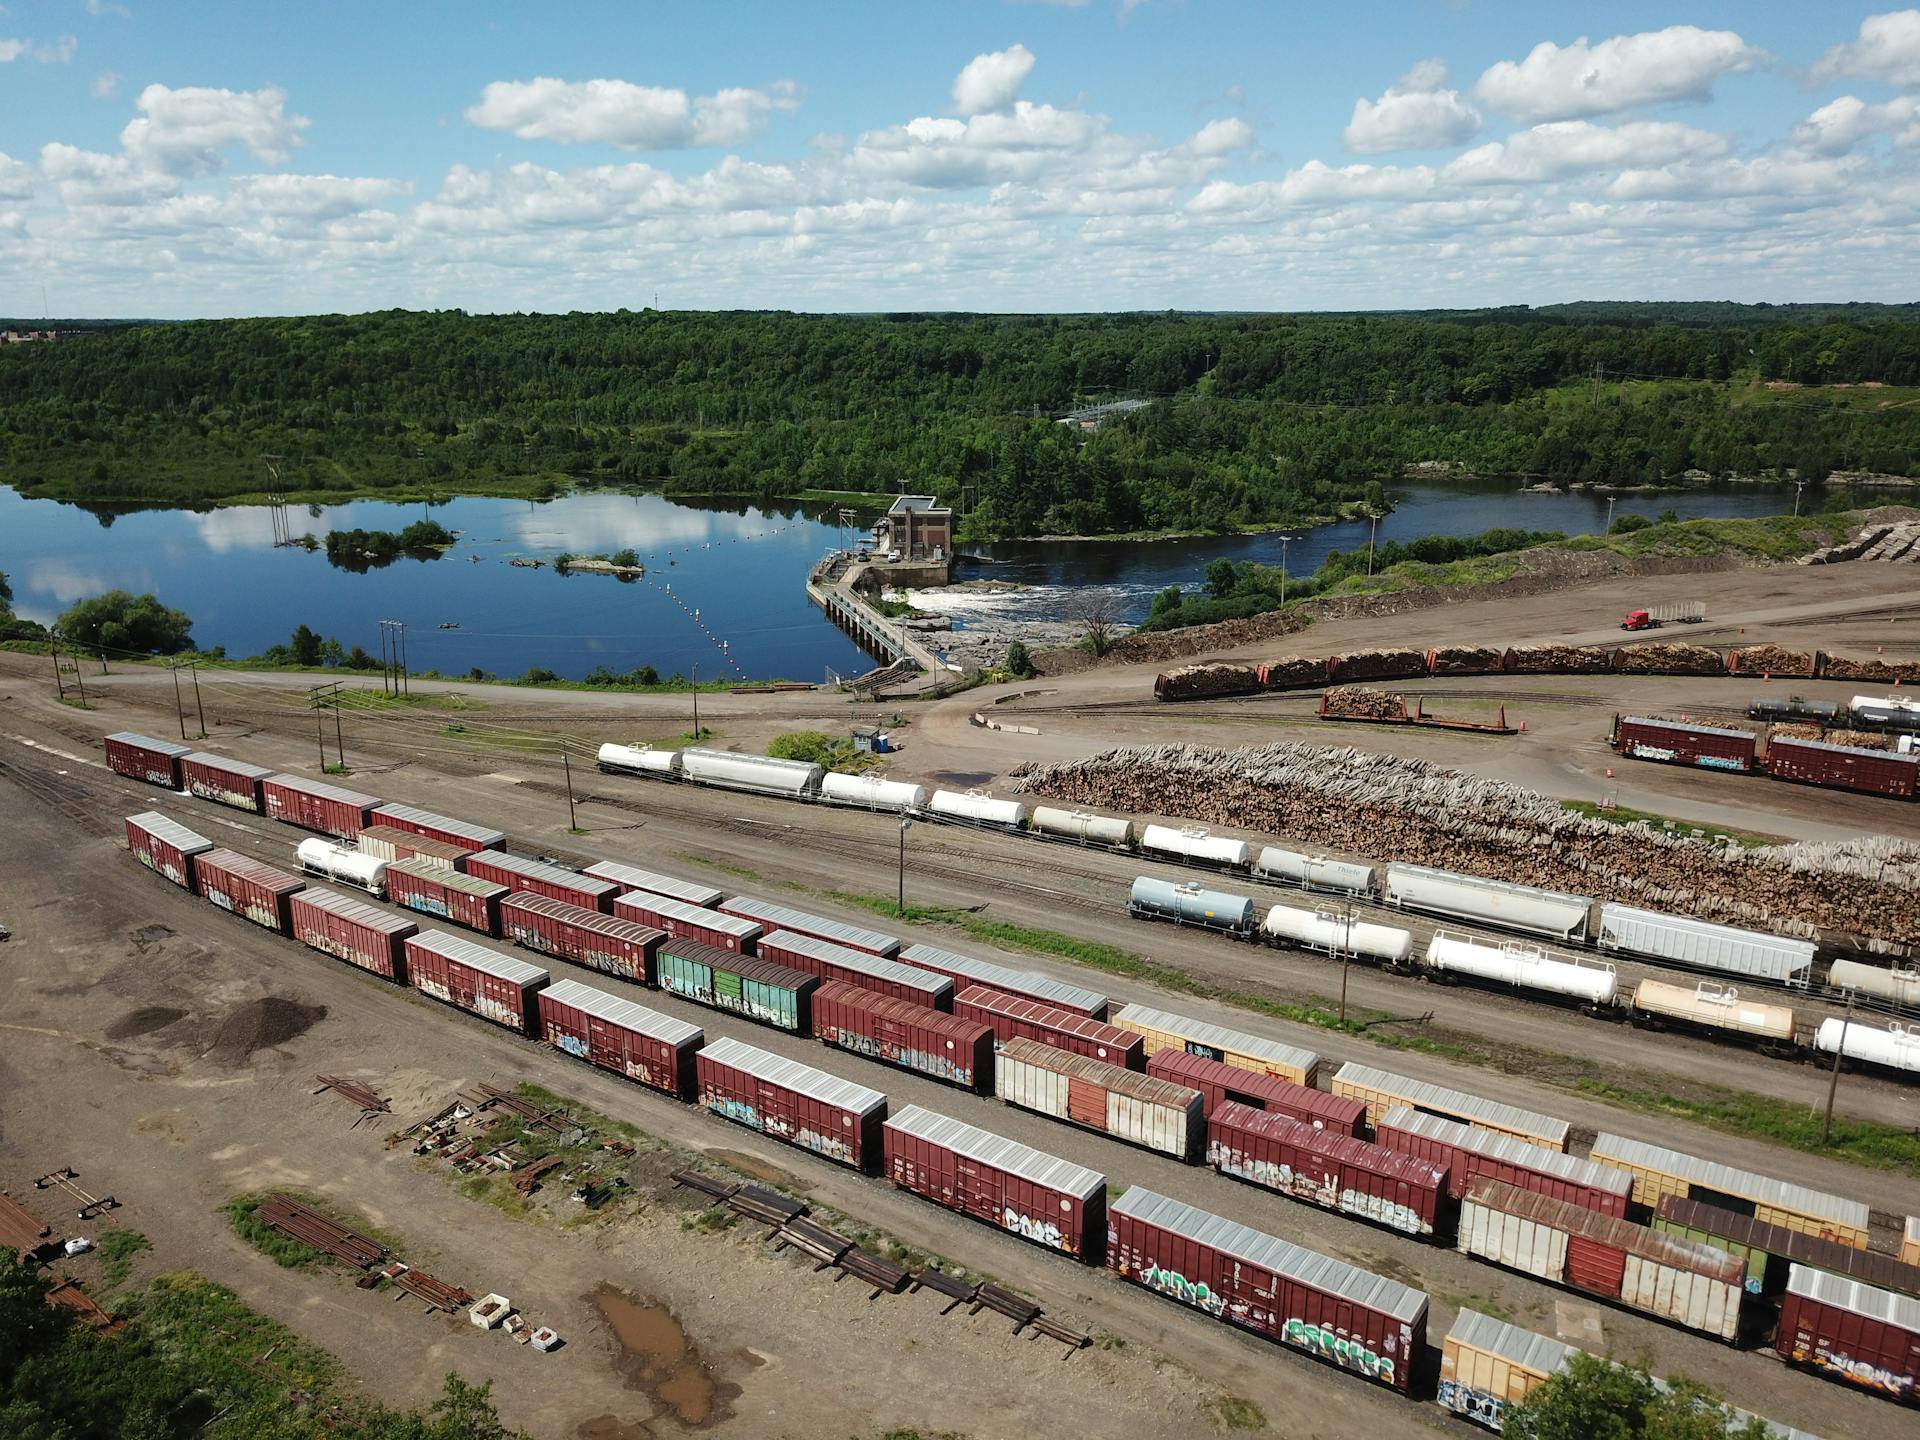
(652, 1353)
(143, 1021)
(148, 936)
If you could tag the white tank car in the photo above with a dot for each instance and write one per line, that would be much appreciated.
(976, 806)
(1883, 981)
(762, 773)
(1084, 826)
(1335, 935)
(639, 759)
(1896, 1047)
(1193, 842)
(349, 867)
(872, 792)
(1522, 966)
(1714, 1007)
(1314, 872)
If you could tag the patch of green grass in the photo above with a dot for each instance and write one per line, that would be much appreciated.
(517, 740)
(1864, 1142)
(1233, 1413)
(1622, 815)
(283, 1249)
(725, 867)
(336, 769)
(117, 1249)
(710, 1222)
(1473, 1300)
(493, 1189)
(75, 704)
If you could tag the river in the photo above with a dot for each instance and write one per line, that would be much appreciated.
(724, 589)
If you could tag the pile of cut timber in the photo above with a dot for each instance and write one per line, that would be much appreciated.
(1669, 657)
(1796, 731)
(1897, 542)
(1393, 808)
(1464, 660)
(1773, 660)
(1377, 665)
(1215, 677)
(1361, 704)
(1559, 659)
(1857, 739)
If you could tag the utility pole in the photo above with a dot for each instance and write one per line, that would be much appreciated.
(319, 730)
(1346, 960)
(572, 822)
(1284, 539)
(386, 668)
(1833, 1080)
(193, 669)
(900, 905)
(1610, 500)
(53, 648)
(1372, 530)
(80, 678)
(339, 745)
(694, 670)
(179, 706)
(1798, 486)
(406, 680)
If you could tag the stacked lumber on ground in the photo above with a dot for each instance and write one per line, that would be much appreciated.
(1362, 704)
(1198, 682)
(1377, 665)
(1559, 659)
(1393, 808)
(1772, 660)
(1465, 660)
(1669, 657)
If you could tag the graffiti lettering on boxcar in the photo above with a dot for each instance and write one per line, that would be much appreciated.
(1187, 1292)
(572, 1044)
(1337, 1347)
(1386, 1212)
(1476, 1405)
(1859, 1372)
(1039, 1230)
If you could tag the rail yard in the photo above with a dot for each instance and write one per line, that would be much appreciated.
(1406, 1247)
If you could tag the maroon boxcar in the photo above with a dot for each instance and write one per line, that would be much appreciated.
(440, 827)
(536, 877)
(1014, 1017)
(1470, 1153)
(1220, 1084)
(616, 947)
(315, 805)
(247, 887)
(860, 968)
(353, 931)
(1037, 1196)
(384, 842)
(1360, 1321)
(965, 970)
(1842, 767)
(618, 1035)
(141, 757)
(1678, 742)
(165, 846)
(689, 922)
(1326, 1168)
(1852, 1331)
(466, 900)
(496, 987)
(793, 1103)
(771, 917)
(225, 781)
(903, 1033)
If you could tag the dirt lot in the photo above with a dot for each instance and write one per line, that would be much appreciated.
(177, 1112)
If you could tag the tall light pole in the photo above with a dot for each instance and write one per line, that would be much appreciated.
(1610, 500)
(179, 706)
(900, 905)
(1798, 486)
(1284, 541)
(694, 671)
(1372, 530)
(1833, 1080)
(193, 668)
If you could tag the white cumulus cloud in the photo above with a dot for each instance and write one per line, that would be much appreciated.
(16, 178)
(183, 131)
(43, 52)
(1417, 112)
(634, 117)
(104, 84)
(1839, 125)
(312, 197)
(992, 81)
(1573, 147)
(1221, 137)
(1557, 82)
(1888, 48)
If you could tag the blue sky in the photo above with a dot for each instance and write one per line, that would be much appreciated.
(208, 159)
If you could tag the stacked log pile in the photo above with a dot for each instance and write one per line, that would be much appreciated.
(1857, 739)
(1845, 667)
(1197, 682)
(1559, 659)
(1671, 657)
(1293, 673)
(1465, 660)
(1898, 542)
(1773, 660)
(1392, 808)
(1796, 732)
(1358, 703)
(1377, 665)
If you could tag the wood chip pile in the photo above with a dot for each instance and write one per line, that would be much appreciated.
(1670, 658)
(1773, 660)
(1377, 665)
(1464, 660)
(1844, 667)
(1392, 808)
(1559, 659)
(1197, 682)
(1358, 703)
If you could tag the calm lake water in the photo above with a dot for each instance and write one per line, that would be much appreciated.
(714, 575)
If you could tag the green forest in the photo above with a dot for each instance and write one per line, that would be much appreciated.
(1257, 419)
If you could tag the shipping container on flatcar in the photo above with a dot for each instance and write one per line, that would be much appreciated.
(904, 1033)
(1381, 1090)
(618, 1035)
(536, 877)
(762, 990)
(861, 968)
(1163, 1030)
(351, 930)
(316, 805)
(1470, 1154)
(1487, 1365)
(1365, 1323)
(1013, 1017)
(1675, 742)
(771, 917)
(1658, 1172)
(141, 757)
(385, 842)
(1153, 1114)
(632, 877)
(1551, 913)
(249, 888)
(1334, 1171)
(964, 970)
(616, 947)
(1222, 1084)
(1842, 767)
(1691, 1284)
(1854, 1332)
(440, 827)
(793, 1103)
(689, 922)
(1703, 945)
(1768, 1251)
(496, 987)
(165, 846)
(420, 884)
(225, 781)
(1024, 1191)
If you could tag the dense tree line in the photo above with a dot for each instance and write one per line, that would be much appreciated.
(1262, 418)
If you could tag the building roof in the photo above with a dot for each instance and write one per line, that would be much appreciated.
(918, 505)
